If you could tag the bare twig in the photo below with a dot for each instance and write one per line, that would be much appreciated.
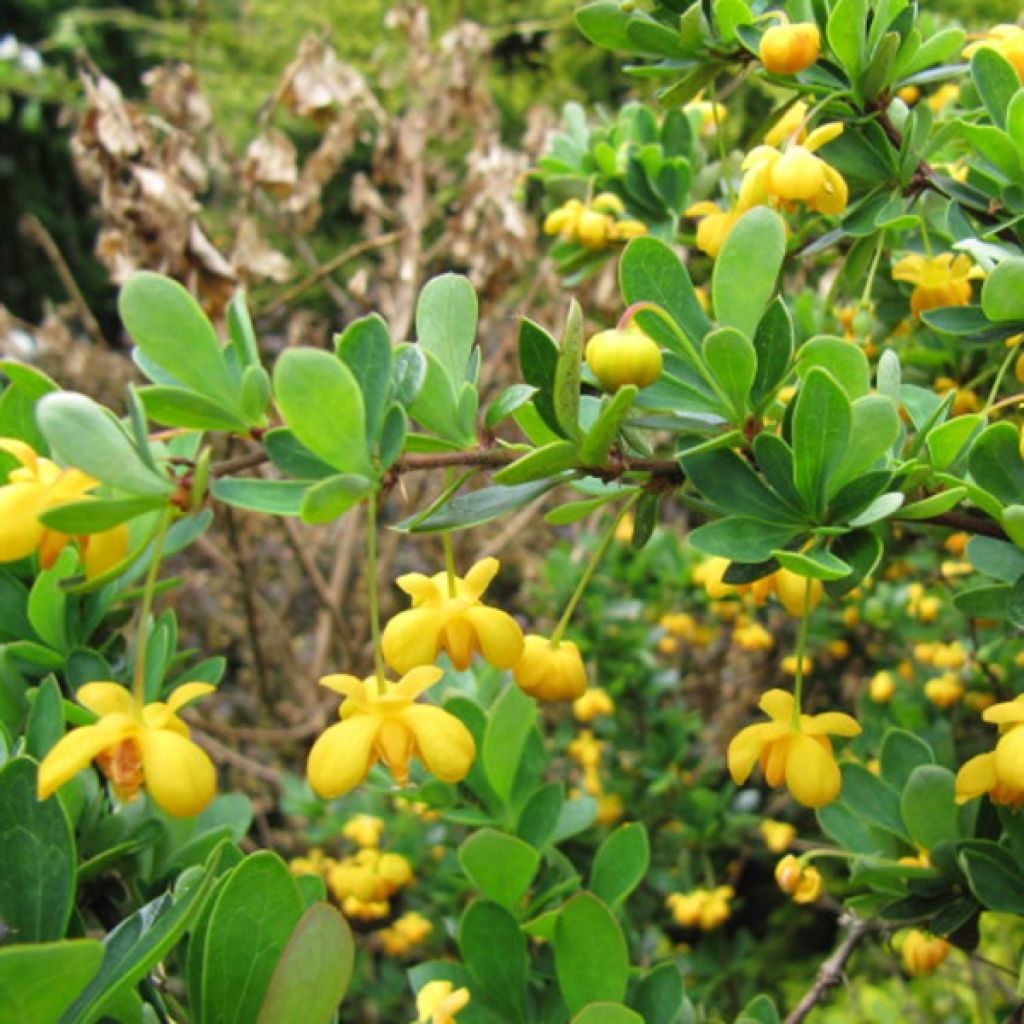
(830, 974)
(225, 755)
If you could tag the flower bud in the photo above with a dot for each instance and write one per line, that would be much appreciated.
(621, 357)
(777, 835)
(922, 953)
(787, 49)
(881, 687)
(550, 672)
(594, 229)
(800, 881)
(608, 202)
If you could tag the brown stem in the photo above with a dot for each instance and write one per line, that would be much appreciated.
(830, 974)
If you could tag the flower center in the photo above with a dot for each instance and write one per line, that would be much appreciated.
(122, 765)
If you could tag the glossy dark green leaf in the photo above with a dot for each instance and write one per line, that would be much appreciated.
(501, 866)
(996, 465)
(929, 807)
(494, 952)
(568, 373)
(822, 420)
(773, 344)
(328, 499)
(38, 982)
(620, 863)
(591, 958)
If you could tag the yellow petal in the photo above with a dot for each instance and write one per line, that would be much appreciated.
(186, 693)
(1004, 713)
(702, 209)
(104, 550)
(341, 757)
(23, 452)
(777, 705)
(745, 748)
(77, 749)
(1010, 758)
(20, 530)
(823, 135)
(478, 579)
(106, 699)
(412, 638)
(180, 777)
(459, 640)
(498, 634)
(831, 723)
(415, 682)
(976, 777)
(70, 485)
(419, 587)
(443, 743)
(909, 268)
(346, 685)
(812, 775)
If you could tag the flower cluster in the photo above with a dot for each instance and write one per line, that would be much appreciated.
(706, 909)
(594, 225)
(405, 934)
(364, 883)
(586, 750)
(943, 280)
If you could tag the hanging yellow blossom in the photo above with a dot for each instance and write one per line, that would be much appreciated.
(710, 114)
(944, 691)
(439, 1001)
(370, 876)
(778, 835)
(592, 704)
(550, 671)
(364, 830)
(706, 909)
(943, 280)
(1000, 773)
(392, 728)
(136, 746)
(713, 225)
(798, 880)
(792, 126)
(882, 687)
(456, 622)
(37, 486)
(922, 953)
(798, 594)
(407, 932)
(795, 753)
(1007, 41)
(786, 49)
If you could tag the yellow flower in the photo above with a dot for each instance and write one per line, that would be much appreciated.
(795, 174)
(922, 953)
(550, 671)
(679, 624)
(798, 594)
(314, 863)
(798, 880)
(586, 749)
(362, 910)
(787, 49)
(459, 624)
(37, 486)
(391, 727)
(1007, 41)
(753, 637)
(621, 357)
(788, 664)
(608, 202)
(952, 655)
(406, 932)
(1000, 773)
(364, 830)
(369, 876)
(624, 230)
(713, 226)
(944, 691)
(609, 808)
(136, 746)
(777, 835)
(710, 574)
(882, 687)
(592, 704)
(910, 94)
(594, 229)
(792, 125)
(943, 96)
(563, 221)
(943, 280)
(706, 909)
(711, 114)
(439, 1001)
(798, 754)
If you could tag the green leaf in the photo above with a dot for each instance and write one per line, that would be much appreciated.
(540, 814)
(620, 863)
(254, 393)
(538, 358)
(996, 558)
(822, 419)
(773, 346)
(994, 877)
(83, 434)
(847, 363)
(494, 952)
(659, 995)
(37, 850)
(179, 407)
(174, 333)
(253, 919)
(996, 81)
(650, 271)
(39, 982)
(747, 268)
(871, 798)
(276, 497)
(928, 806)
(901, 753)
(874, 429)
(607, 1013)
(499, 865)
(509, 722)
(243, 337)
(733, 362)
(604, 431)
(541, 462)
(477, 507)
(321, 403)
(437, 405)
(742, 539)
(996, 464)
(1002, 294)
(817, 563)
(446, 324)
(934, 505)
(725, 478)
(328, 499)
(96, 515)
(45, 720)
(947, 442)
(845, 31)
(512, 398)
(290, 456)
(365, 348)
(568, 373)
(591, 958)
(604, 24)
(313, 971)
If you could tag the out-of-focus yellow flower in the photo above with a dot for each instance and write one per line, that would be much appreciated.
(965, 401)
(314, 863)
(942, 97)
(943, 280)
(706, 909)
(678, 624)
(364, 830)
(592, 704)
(609, 808)
(796, 174)
(922, 953)
(778, 835)
(370, 876)
(563, 221)
(798, 594)
(392, 728)
(950, 569)
(956, 543)
(949, 656)
(978, 701)
(924, 653)
(595, 225)
(136, 746)
(713, 225)
(944, 691)
(711, 114)
(753, 637)
(594, 229)
(791, 126)
(874, 766)
(438, 1002)
(838, 649)
(548, 671)
(365, 910)
(34, 488)
(586, 749)
(919, 860)
(608, 202)
(796, 753)
(624, 529)
(620, 357)
(851, 616)
(882, 687)
(703, 300)
(668, 645)
(1000, 773)
(802, 882)
(626, 230)
(1007, 41)
(709, 575)
(788, 664)
(786, 49)
(910, 94)
(458, 622)
(405, 933)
